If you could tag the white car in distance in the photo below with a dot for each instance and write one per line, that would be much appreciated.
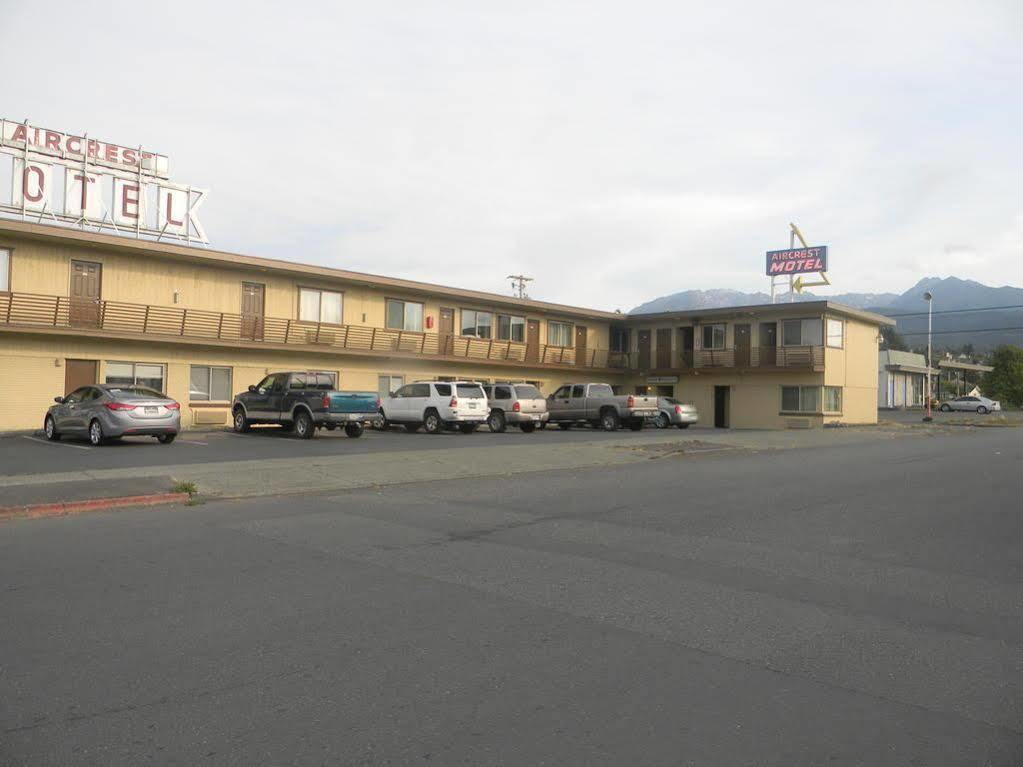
(436, 405)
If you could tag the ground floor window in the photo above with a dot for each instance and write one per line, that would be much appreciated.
(136, 374)
(207, 383)
(387, 383)
(801, 399)
(832, 399)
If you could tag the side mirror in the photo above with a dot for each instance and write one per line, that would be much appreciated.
(59, 400)
(252, 389)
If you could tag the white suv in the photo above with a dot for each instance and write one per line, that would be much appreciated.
(436, 405)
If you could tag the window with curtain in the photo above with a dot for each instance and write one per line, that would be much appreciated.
(559, 334)
(403, 315)
(510, 328)
(207, 383)
(5, 270)
(475, 323)
(832, 399)
(835, 333)
(713, 336)
(801, 399)
(801, 332)
(135, 374)
(319, 306)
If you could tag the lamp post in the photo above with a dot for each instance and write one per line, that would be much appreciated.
(930, 303)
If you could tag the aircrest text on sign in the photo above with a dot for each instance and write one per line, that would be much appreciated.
(88, 183)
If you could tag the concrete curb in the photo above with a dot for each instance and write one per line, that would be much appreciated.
(63, 508)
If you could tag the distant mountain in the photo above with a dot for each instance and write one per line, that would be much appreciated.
(950, 293)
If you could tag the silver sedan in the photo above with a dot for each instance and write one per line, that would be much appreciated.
(672, 412)
(103, 412)
(980, 405)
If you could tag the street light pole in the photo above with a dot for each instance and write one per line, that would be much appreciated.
(930, 304)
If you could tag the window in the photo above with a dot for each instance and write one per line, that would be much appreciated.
(801, 332)
(620, 340)
(527, 391)
(387, 384)
(443, 389)
(832, 399)
(206, 384)
(563, 393)
(800, 399)
(472, 391)
(419, 390)
(835, 333)
(479, 324)
(579, 390)
(601, 390)
(404, 315)
(135, 373)
(319, 306)
(511, 328)
(713, 336)
(559, 333)
(5, 270)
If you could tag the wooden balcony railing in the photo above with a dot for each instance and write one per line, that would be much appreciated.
(795, 357)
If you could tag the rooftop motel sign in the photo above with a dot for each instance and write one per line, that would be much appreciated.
(76, 180)
(797, 261)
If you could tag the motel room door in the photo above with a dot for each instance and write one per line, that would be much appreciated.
(252, 310)
(446, 331)
(742, 345)
(722, 406)
(644, 349)
(532, 340)
(78, 373)
(663, 348)
(768, 350)
(580, 345)
(86, 280)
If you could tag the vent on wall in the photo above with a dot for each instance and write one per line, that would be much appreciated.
(797, 423)
(207, 416)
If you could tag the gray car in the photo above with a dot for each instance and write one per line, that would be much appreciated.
(672, 412)
(102, 412)
(980, 405)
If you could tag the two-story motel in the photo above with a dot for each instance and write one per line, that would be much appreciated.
(79, 307)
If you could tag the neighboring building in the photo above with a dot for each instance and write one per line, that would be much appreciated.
(79, 307)
(901, 379)
(960, 376)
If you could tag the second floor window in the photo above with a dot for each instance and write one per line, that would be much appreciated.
(319, 306)
(479, 324)
(713, 336)
(835, 333)
(511, 328)
(801, 332)
(5, 270)
(620, 339)
(404, 315)
(559, 334)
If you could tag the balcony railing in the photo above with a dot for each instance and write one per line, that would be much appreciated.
(790, 357)
(26, 309)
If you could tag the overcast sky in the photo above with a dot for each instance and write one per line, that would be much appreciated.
(613, 151)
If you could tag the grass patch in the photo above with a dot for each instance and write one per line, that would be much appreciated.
(185, 487)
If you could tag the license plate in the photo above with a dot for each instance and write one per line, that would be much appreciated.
(472, 405)
(152, 410)
(535, 417)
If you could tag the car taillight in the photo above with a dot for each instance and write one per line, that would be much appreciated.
(325, 402)
(173, 406)
(118, 406)
(517, 407)
(631, 401)
(678, 409)
(453, 402)
(378, 403)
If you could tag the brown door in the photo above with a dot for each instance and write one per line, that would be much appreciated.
(446, 331)
(86, 278)
(663, 348)
(742, 345)
(768, 350)
(78, 373)
(252, 310)
(686, 346)
(644, 349)
(580, 346)
(532, 340)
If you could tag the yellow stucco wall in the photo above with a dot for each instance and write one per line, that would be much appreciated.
(854, 368)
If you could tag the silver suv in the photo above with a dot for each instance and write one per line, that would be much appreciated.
(519, 404)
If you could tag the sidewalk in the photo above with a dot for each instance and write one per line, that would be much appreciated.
(283, 476)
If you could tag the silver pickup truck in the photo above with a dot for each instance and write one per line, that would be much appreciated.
(596, 403)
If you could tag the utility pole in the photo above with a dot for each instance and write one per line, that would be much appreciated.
(519, 285)
(930, 302)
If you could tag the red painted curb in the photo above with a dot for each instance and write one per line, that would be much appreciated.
(35, 510)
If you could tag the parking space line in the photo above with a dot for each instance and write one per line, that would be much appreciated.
(192, 442)
(60, 444)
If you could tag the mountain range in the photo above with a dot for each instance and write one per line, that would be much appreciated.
(965, 301)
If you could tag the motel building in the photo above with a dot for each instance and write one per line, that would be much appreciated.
(80, 306)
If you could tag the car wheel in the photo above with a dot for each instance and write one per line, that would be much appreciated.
(304, 426)
(354, 430)
(945, 408)
(564, 426)
(432, 423)
(528, 428)
(468, 428)
(50, 429)
(166, 439)
(682, 425)
(496, 422)
(96, 433)
(609, 420)
(662, 421)
(982, 410)
(636, 424)
(241, 423)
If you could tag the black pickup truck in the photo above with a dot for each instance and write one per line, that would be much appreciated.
(304, 402)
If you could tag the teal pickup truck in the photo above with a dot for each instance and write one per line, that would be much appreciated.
(303, 402)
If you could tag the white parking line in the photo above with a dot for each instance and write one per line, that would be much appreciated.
(61, 444)
(192, 442)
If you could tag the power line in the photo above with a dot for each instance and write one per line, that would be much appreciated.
(958, 311)
(962, 330)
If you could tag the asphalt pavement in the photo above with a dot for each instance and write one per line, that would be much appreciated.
(858, 604)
